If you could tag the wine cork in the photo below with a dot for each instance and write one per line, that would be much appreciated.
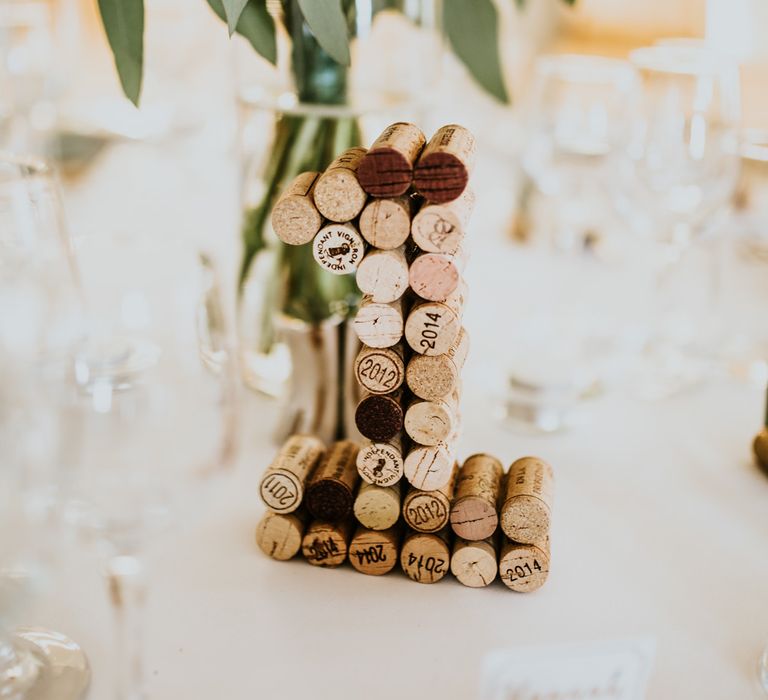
(429, 467)
(524, 567)
(432, 422)
(473, 513)
(379, 417)
(432, 377)
(760, 448)
(380, 370)
(432, 327)
(279, 535)
(386, 223)
(426, 557)
(378, 507)
(282, 486)
(338, 195)
(428, 511)
(435, 276)
(331, 488)
(383, 274)
(474, 562)
(379, 325)
(527, 501)
(374, 552)
(387, 168)
(338, 248)
(440, 228)
(295, 218)
(443, 169)
(381, 463)
(326, 544)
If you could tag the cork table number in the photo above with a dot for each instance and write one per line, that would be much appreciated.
(396, 216)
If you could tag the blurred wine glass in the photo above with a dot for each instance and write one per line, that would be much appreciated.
(39, 325)
(673, 184)
(576, 112)
(26, 70)
(155, 401)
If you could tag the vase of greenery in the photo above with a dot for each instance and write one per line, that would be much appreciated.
(330, 74)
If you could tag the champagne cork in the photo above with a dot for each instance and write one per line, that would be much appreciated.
(443, 169)
(374, 552)
(338, 195)
(440, 228)
(429, 467)
(428, 511)
(386, 223)
(380, 370)
(432, 327)
(379, 417)
(383, 274)
(379, 325)
(381, 463)
(474, 562)
(473, 514)
(426, 557)
(338, 248)
(387, 168)
(282, 486)
(279, 535)
(435, 276)
(527, 502)
(295, 219)
(331, 488)
(326, 544)
(760, 448)
(432, 377)
(524, 567)
(432, 422)
(378, 507)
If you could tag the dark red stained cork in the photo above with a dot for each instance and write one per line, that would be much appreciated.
(380, 418)
(385, 172)
(440, 177)
(330, 500)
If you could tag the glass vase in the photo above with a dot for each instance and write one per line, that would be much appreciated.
(299, 115)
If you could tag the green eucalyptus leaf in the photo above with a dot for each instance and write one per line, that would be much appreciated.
(233, 9)
(326, 20)
(473, 32)
(124, 25)
(255, 24)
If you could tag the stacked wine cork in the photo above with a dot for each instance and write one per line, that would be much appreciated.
(482, 524)
(396, 215)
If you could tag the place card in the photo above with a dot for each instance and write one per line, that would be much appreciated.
(614, 670)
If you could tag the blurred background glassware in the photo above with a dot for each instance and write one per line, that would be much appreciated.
(563, 350)
(156, 409)
(26, 70)
(299, 115)
(673, 185)
(39, 324)
(744, 344)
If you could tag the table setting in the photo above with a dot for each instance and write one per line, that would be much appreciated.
(304, 303)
